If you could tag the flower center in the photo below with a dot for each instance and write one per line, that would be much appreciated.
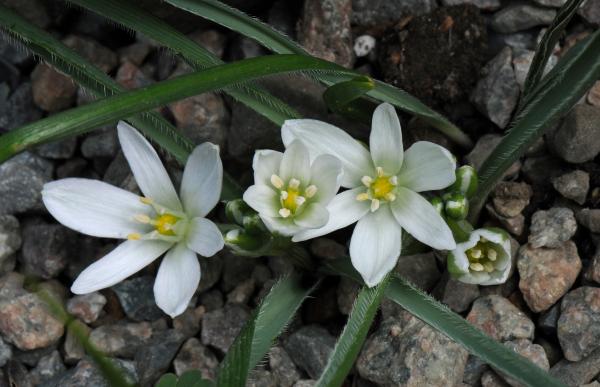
(482, 257)
(164, 224)
(291, 195)
(167, 223)
(380, 188)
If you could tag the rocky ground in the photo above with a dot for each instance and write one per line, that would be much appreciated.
(466, 58)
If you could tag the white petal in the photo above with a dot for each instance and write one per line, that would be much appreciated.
(283, 226)
(427, 167)
(322, 138)
(94, 208)
(314, 215)
(177, 280)
(343, 209)
(326, 173)
(418, 217)
(204, 237)
(266, 163)
(128, 258)
(149, 172)
(375, 245)
(295, 162)
(385, 140)
(263, 200)
(202, 180)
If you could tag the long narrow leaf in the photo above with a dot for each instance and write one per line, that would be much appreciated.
(558, 92)
(133, 17)
(266, 323)
(547, 44)
(352, 338)
(277, 42)
(109, 110)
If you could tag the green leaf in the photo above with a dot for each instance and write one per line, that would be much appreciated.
(277, 42)
(555, 95)
(266, 323)
(353, 336)
(167, 380)
(193, 378)
(547, 44)
(133, 17)
(109, 110)
(476, 342)
(343, 98)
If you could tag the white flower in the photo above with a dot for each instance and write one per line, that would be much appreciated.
(384, 185)
(484, 259)
(156, 223)
(290, 193)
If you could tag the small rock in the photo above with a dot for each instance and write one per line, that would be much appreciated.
(574, 374)
(377, 13)
(21, 186)
(514, 225)
(590, 219)
(213, 40)
(521, 17)
(87, 307)
(35, 11)
(590, 11)
(26, 322)
(195, 356)
(202, 118)
(551, 3)
(211, 270)
(326, 248)
(347, 292)
(540, 170)
(261, 378)
(62, 149)
(573, 185)
(522, 63)
(73, 350)
(211, 300)
(457, 295)
(5, 352)
(404, 351)
(593, 272)
(19, 108)
(100, 144)
(235, 270)
(305, 383)
(10, 237)
(134, 53)
(593, 96)
(46, 249)
(324, 30)
(283, 367)
(242, 293)
(534, 352)
(131, 77)
(93, 51)
(220, 327)
(86, 374)
(498, 318)
(137, 298)
(474, 370)
(121, 339)
(548, 320)
(419, 269)
(52, 91)
(484, 5)
(551, 228)
(579, 323)
(189, 322)
(510, 198)
(497, 93)
(48, 368)
(364, 45)
(576, 139)
(153, 358)
(492, 379)
(310, 347)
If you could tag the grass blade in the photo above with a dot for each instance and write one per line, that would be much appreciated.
(352, 338)
(279, 43)
(131, 16)
(547, 44)
(266, 323)
(558, 92)
(109, 110)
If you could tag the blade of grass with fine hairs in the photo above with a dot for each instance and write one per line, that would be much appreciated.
(353, 336)
(131, 16)
(546, 46)
(556, 94)
(437, 315)
(279, 43)
(266, 323)
(96, 82)
(108, 110)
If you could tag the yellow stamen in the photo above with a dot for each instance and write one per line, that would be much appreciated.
(293, 184)
(310, 191)
(146, 200)
(489, 267)
(367, 181)
(492, 254)
(374, 205)
(276, 181)
(284, 212)
(381, 187)
(476, 253)
(362, 197)
(390, 197)
(476, 266)
(394, 180)
(145, 219)
(164, 224)
(134, 236)
(300, 200)
(289, 202)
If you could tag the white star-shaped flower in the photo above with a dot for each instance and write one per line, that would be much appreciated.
(156, 223)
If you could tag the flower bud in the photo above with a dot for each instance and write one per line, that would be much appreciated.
(253, 224)
(484, 259)
(438, 204)
(466, 181)
(245, 244)
(456, 206)
(236, 210)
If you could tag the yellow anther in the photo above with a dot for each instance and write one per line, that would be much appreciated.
(390, 197)
(294, 183)
(284, 212)
(276, 181)
(142, 218)
(300, 200)
(476, 266)
(289, 200)
(146, 200)
(366, 180)
(283, 195)
(394, 180)
(381, 187)
(489, 267)
(492, 254)
(134, 236)
(310, 191)
(374, 205)
(475, 253)
(362, 197)
(164, 224)
(380, 172)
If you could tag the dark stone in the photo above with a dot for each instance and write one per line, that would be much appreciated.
(5, 352)
(195, 356)
(521, 17)
(220, 327)
(87, 374)
(121, 339)
(369, 13)
(137, 298)
(579, 323)
(52, 91)
(420, 270)
(510, 198)
(576, 140)
(10, 237)
(154, 358)
(49, 367)
(19, 108)
(574, 374)
(457, 295)
(46, 249)
(590, 219)
(552, 228)
(283, 367)
(500, 319)
(309, 347)
(21, 187)
(100, 144)
(93, 51)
